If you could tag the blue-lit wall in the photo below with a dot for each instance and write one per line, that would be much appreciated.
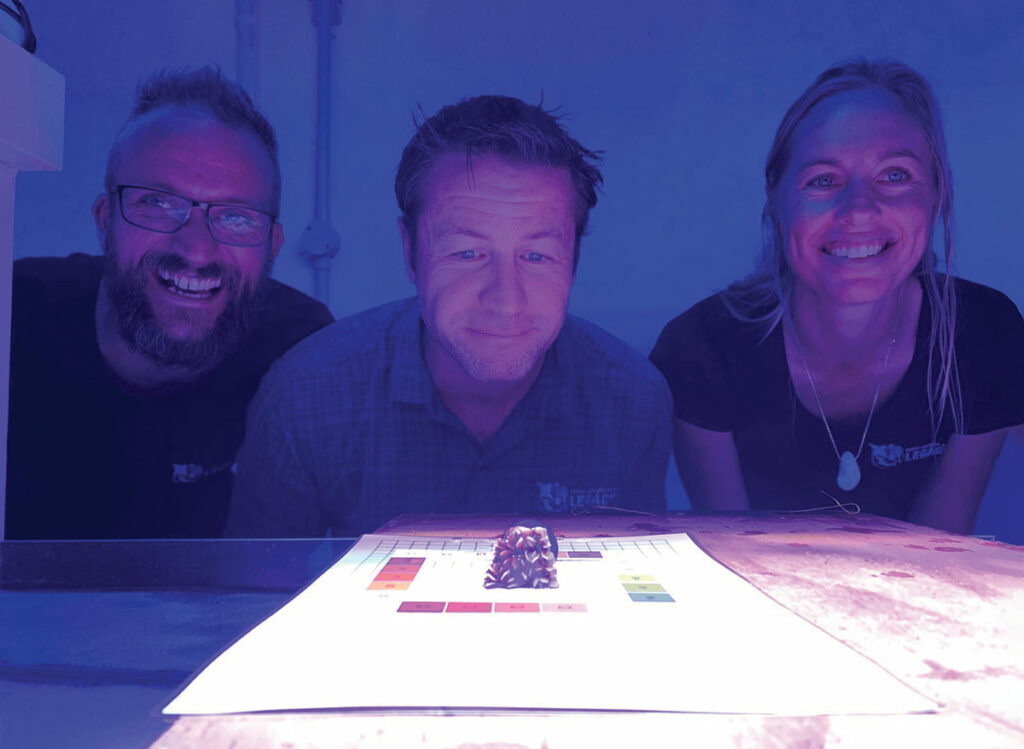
(683, 97)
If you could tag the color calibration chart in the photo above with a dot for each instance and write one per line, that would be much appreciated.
(648, 623)
(406, 567)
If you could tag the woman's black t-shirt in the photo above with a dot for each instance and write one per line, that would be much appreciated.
(726, 376)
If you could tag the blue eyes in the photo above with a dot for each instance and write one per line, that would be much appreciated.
(822, 180)
(892, 176)
(530, 257)
(897, 175)
(152, 200)
(236, 220)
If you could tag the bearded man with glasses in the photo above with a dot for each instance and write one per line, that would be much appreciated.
(131, 372)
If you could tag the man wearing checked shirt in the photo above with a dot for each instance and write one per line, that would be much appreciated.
(480, 394)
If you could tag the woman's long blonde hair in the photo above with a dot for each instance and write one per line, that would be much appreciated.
(764, 296)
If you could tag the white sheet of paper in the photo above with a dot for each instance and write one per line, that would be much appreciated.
(719, 645)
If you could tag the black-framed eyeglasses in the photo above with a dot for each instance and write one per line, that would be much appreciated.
(165, 212)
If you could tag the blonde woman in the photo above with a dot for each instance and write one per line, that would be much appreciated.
(848, 370)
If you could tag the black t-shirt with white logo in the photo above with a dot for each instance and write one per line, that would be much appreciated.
(724, 377)
(88, 458)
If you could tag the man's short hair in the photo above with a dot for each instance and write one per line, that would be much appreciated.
(501, 126)
(206, 88)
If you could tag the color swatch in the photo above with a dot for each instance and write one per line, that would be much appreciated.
(468, 607)
(397, 574)
(645, 589)
(516, 608)
(422, 607)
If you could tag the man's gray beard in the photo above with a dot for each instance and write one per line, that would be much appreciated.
(140, 329)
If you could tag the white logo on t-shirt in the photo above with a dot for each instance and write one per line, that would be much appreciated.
(890, 456)
(555, 497)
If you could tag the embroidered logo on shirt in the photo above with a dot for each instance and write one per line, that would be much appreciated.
(890, 456)
(189, 473)
(555, 497)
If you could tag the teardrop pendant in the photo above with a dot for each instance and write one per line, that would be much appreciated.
(849, 472)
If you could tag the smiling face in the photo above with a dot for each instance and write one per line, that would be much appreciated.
(493, 266)
(856, 204)
(183, 298)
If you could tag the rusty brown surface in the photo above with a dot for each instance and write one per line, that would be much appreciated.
(941, 612)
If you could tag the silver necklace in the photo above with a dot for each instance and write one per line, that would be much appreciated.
(849, 470)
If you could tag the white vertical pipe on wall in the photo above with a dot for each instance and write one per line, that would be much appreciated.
(320, 241)
(247, 61)
(31, 139)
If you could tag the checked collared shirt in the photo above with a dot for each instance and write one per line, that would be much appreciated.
(348, 430)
